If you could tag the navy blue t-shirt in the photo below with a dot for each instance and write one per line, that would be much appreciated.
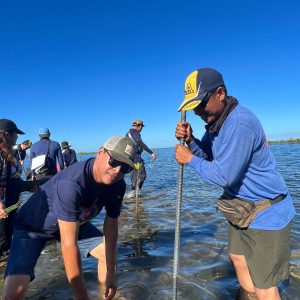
(69, 156)
(71, 195)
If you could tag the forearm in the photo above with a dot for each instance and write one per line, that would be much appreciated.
(145, 147)
(110, 230)
(72, 261)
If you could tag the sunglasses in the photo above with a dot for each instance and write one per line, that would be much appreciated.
(125, 168)
(205, 100)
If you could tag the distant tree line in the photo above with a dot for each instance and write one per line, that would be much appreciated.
(85, 153)
(289, 141)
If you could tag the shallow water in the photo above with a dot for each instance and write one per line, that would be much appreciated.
(145, 248)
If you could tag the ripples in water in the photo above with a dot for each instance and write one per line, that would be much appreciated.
(145, 248)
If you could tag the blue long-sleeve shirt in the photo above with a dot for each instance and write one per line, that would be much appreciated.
(137, 139)
(238, 159)
(41, 148)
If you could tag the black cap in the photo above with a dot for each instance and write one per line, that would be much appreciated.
(65, 145)
(10, 126)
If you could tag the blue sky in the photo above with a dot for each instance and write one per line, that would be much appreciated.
(86, 69)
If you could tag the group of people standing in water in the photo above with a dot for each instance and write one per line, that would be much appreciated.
(233, 154)
(12, 156)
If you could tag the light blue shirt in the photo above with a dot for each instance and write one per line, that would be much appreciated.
(238, 159)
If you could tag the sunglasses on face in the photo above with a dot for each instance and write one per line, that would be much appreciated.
(205, 100)
(125, 168)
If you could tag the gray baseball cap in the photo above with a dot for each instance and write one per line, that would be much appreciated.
(44, 132)
(121, 148)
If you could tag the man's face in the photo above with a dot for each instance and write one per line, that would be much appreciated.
(211, 108)
(103, 172)
(138, 128)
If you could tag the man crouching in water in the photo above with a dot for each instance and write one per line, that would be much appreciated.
(61, 209)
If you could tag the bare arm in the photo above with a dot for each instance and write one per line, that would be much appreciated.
(71, 256)
(110, 230)
(60, 159)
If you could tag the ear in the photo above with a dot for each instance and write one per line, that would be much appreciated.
(221, 93)
(101, 150)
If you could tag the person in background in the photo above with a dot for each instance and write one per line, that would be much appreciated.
(52, 150)
(234, 154)
(69, 155)
(61, 209)
(20, 154)
(9, 183)
(138, 174)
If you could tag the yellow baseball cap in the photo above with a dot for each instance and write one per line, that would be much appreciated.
(138, 123)
(197, 85)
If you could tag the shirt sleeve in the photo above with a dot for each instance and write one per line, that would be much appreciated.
(138, 139)
(114, 198)
(60, 157)
(231, 156)
(66, 202)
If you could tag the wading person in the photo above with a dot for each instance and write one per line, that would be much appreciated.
(234, 154)
(69, 155)
(56, 210)
(20, 152)
(9, 181)
(50, 151)
(138, 174)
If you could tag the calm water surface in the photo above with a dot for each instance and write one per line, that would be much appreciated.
(145, 248)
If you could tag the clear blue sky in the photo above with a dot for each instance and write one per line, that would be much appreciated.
(86, 69)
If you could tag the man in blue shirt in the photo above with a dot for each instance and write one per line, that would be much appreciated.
(234, 154)
(61, 209)
(138, 174)
(69, 155)
(53, 153)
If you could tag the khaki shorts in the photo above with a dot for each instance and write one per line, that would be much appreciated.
(267, 253)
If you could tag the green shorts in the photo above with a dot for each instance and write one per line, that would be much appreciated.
(267, 253)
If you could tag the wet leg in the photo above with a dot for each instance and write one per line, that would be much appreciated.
(243, 274)
(99, 253)
(270, 294)
(15, 287)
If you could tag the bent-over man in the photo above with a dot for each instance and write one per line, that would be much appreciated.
(61, 209)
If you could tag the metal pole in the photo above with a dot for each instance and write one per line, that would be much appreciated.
(178, 220)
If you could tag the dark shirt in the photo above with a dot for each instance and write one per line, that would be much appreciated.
(4, 175)
(20, 154)
(41, 148)
(71, 195)
(135, 136)
(69, 156)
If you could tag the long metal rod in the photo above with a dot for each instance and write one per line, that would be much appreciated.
(178, 221)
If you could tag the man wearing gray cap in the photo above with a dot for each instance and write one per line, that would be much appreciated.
(234, 154)
(62, 208)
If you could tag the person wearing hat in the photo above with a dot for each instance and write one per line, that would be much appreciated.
(69, 155)
(234, 154)
(61, 209)
(50, 151)
(138, 174)
(9, 187)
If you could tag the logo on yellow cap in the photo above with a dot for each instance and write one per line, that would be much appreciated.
(189, 89)
(191, 92)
